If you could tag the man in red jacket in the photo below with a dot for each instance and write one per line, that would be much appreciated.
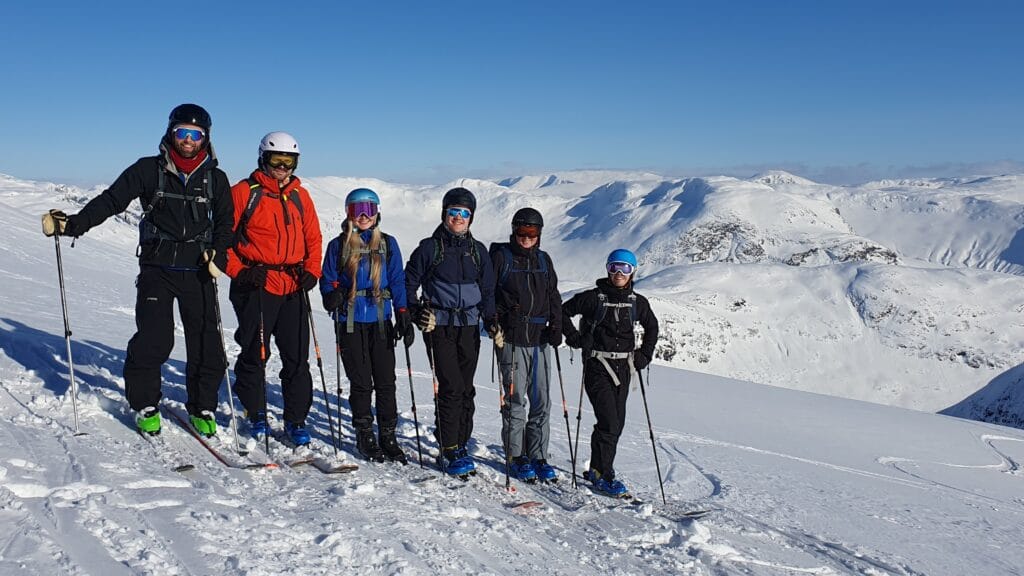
(275, 260)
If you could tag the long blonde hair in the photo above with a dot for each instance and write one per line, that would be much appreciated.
(355, 244)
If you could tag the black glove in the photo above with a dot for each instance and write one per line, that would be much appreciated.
(425, 319)
(334, 301)
(580, 340)
(255, 277)
(403, 327)
(640, 360)
(553, 338)
(307, 280)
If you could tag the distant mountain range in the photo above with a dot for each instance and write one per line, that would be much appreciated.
(904, 292)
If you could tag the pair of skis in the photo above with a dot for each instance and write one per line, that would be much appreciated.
(251, 460)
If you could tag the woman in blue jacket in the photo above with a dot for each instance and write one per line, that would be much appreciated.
(363, 282)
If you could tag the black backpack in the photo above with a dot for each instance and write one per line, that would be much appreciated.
(148, 231)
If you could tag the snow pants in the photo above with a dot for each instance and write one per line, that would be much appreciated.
(286, 318)
(369, 359)
(609, 404)
(525, 379)
(453, 351)
(157, 289)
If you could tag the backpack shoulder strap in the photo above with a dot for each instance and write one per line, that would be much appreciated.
(632, 308)
(255, 192)
(506, 265)
(542, 261)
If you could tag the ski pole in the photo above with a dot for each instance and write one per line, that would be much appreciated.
(579, 417)
(412, 396)
(507, 413)
(320, 366)
(67, 333)
(650, 429)
(565, 409)
(227, 370)
(429, 341)
(263, 364)
(337, 369)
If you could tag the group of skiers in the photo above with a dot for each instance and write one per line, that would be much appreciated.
(264, 233)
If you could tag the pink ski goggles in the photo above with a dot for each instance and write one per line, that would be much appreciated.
(357, 209)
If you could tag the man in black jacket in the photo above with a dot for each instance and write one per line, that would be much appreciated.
(530, 314)
(610, 313)
(184, 234)
(457, 281)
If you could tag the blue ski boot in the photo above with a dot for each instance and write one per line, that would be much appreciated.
(258, 427)
(297, 433)
(608, 487)
(521, 468)
(545, 472)
(468, 460)
(450, 462)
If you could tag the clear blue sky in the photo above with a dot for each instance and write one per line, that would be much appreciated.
(426, 91)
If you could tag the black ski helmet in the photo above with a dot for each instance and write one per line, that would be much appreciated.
(527, 217)
(459, 197)
(190, 114)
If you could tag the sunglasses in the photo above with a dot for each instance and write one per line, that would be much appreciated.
(287, 161)
(623, 268)
(183, 133)
(527, 231)
(357, 209)
(463, 213)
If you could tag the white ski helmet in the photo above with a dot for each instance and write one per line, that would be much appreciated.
(281, 142)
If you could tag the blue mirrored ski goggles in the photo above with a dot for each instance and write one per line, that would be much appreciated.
(463, 213)
(183, 133)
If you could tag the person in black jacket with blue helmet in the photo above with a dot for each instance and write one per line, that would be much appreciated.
(454, 274)
(362, 282)
(610, 314)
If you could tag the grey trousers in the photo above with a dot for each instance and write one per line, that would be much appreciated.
(526, 414)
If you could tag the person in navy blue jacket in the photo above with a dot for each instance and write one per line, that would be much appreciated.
(363, 281)
(454, 274)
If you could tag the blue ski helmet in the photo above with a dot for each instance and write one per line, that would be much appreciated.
(622, 255)
(362, 195)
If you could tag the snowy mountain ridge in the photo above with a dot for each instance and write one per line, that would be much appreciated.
(837, 290)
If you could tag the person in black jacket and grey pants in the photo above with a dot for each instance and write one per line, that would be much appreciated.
(184, 235)
(610, 313)
(530, 314)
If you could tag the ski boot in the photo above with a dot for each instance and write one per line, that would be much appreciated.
(608, 487)
(148, 421)
(389, 445)
(521, 468)
(366, 444)
(204, 423)
(545, 472)
(297, 433)
(258, 426)
(463, 452)
(451, 463)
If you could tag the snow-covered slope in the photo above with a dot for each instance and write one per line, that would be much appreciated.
(799, 482)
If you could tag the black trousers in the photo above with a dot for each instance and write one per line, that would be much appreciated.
(454, 351)
(286, 318)
(149, 348)
(609, 404)
(369, 360)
